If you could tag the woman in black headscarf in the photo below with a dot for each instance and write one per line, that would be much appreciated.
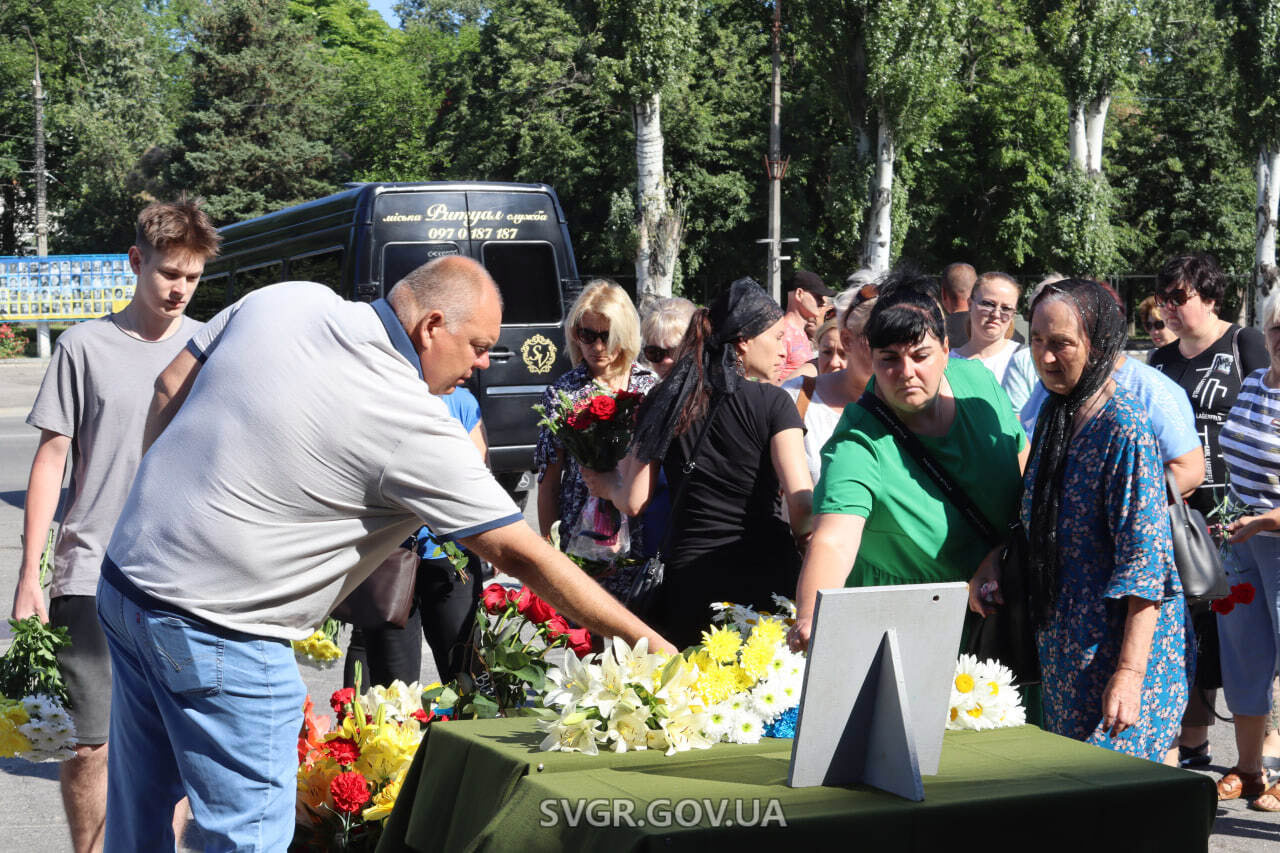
(726, 540)
(1103, 591)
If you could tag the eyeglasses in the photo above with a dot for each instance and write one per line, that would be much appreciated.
(655, 354)
(587, 337)
(1177, 296)
(996, 309)
(1154, 325)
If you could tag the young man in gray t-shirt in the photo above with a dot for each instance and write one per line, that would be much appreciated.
(93, 404)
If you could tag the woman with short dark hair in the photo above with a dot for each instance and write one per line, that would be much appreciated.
(879, 518)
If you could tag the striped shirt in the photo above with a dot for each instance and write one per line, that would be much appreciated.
(1250, 442)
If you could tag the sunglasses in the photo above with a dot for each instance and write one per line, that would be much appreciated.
(1177, 296)
(655, 354)
(1154, 325)
(587, 337)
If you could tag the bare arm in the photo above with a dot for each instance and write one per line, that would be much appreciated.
(1122, 699)
(832, 552)
(1187, 470)
(549, 498)
(1246, 526)
(629, 487)
(44, 487)
(172, 386)
(517, 550)
(786, 448)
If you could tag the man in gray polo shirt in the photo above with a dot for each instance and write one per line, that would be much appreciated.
(296, 447)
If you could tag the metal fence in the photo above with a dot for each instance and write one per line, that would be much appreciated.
(63, 287)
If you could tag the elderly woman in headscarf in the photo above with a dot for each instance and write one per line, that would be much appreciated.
(1103, 591)
(726, 540)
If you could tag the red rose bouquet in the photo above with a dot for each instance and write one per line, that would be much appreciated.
(596, 430)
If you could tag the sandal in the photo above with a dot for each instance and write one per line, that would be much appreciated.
(1194, 756)
(1238, 783)
(1274, 793)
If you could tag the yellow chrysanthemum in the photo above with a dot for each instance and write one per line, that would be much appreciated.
(722, 644)
(716, 684)
(768, 631)
(964, 682)
(755, 658)
(744, 680)
(12, 741)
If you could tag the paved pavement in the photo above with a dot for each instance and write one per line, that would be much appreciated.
(38, 825)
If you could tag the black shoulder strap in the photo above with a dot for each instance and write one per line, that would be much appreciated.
(677, 497)
(913, 446)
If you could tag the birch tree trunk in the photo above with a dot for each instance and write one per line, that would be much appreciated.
(876, 247)
(1095, 121)
(1077, 138)
(659, 228)
(1264, 253)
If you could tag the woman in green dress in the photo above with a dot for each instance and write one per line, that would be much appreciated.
(878, 517)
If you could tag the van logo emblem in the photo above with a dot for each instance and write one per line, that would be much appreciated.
(538, 353)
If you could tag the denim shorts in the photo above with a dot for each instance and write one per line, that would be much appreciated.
(201, 712)
(1248, 635)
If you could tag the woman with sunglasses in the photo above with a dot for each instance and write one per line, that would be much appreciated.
(821, 399)
(1210, 360)
(994, 304)
(602, 334)
(728, 437)
(1151, 318)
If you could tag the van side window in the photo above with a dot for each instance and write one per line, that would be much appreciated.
(526, 275)
(252, 278)
(323, 267)
(400, 259)
(210, 297)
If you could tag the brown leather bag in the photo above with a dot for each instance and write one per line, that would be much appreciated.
(385, 597)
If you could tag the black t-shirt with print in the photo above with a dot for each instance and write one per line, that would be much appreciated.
(1212, 380)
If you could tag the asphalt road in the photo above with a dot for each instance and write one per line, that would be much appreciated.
(34, 822)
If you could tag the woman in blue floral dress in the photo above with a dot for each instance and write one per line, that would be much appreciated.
(602, 334)
(1103, 587)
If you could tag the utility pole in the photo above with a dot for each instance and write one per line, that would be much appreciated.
(774, 164)
(42, 221)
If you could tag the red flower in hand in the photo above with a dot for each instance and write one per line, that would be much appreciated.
(1222, 606)
(533, 608)
(494, 598)
(350, 791)
(579, 641)
(1243, 593)
(342, 750)
(603, 407)
(580, 419)
(342, 698)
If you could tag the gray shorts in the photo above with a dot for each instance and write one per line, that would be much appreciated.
(85, 666)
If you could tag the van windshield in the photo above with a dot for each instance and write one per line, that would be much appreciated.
(526, 275)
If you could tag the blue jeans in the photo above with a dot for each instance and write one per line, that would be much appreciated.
(1248, 635)
(197, 711)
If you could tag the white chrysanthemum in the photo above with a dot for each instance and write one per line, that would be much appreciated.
(719, 720)
(767, 701)
(747, 728)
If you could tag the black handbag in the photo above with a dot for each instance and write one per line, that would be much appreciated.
(639, 590)
(1194, 551)
(385, 597)
(1008, 635)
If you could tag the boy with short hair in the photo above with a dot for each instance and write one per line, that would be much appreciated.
(93, 403)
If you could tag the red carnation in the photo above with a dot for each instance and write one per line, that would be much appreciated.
(1222, 606)
(342, 750)
(350, 791)
(556, 626)
(1243, 593)
(494, 598)
(628, 396)
(532, 607)
(422, 716)
(579, 641)
(342, 698)
(603, 407)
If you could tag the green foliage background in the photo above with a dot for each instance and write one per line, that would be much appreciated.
(257, 104)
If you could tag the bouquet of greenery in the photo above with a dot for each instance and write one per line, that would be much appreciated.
(595, 431)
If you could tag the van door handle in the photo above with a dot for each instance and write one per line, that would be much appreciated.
(500, 354)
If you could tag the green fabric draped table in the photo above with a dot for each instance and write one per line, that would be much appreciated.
(483, 785)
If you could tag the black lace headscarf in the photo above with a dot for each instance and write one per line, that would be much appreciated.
(1105, 332)
(707, 364)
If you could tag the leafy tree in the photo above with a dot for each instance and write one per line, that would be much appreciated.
(446, 16)
(253, 137)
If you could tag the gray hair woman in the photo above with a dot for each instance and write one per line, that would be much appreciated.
(661, 331)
